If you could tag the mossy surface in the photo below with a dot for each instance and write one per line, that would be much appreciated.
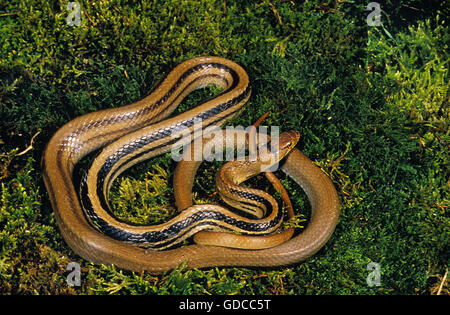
(371, 104)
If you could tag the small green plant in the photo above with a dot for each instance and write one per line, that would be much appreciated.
(144, 202)
(371, 105)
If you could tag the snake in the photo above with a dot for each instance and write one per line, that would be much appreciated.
(132, 133)
(259, 204)
(229, 178)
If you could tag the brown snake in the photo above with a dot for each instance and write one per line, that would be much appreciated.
(145, 120)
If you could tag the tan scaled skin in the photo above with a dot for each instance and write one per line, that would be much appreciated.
(298, 167)
(228, 179)
(89, 132)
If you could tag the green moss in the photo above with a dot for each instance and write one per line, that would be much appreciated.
(371, 105)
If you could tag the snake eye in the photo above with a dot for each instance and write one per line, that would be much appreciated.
(285, 145)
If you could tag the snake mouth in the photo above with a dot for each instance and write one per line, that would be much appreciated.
(288, 140)
(283, 144)
(271, 153)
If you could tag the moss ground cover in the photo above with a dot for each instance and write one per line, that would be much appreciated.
(371, 104)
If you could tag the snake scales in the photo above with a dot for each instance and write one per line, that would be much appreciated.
(138, 131)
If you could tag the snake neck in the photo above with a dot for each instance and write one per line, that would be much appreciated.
(252, 201)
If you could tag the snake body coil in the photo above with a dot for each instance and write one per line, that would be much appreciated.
(138, 131)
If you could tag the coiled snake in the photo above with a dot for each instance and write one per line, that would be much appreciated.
(138, 131)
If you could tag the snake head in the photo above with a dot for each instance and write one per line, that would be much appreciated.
(279, 147)
(274, 151)
(286, 142)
